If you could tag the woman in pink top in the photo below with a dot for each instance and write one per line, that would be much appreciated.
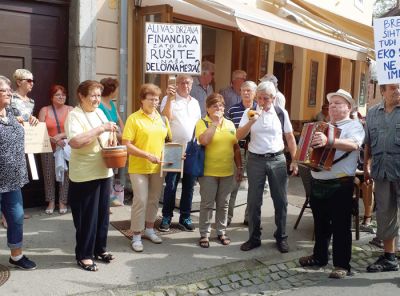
(54, 116)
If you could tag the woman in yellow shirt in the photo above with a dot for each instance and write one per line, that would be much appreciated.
(144, 135)
(222, 149)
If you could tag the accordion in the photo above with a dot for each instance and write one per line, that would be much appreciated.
(316, 158)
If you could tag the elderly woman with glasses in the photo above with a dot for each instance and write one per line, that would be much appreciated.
(87, 130)
(54, 115)
(144, 135)
(13, 176)
(22, 104)
(218, 135)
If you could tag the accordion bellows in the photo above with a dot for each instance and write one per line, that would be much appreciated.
(316, 158)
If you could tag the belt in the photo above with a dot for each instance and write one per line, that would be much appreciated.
(267, 155)
(337, 180)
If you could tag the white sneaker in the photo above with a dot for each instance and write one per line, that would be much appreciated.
(152, 236)
(137, 245)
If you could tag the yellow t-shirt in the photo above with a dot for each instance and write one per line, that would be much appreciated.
(148, 135)
(86, 163)
(219, 153)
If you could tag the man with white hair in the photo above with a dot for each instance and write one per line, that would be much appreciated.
(267, 125)
(202, 87)
(231, 93)
(280, 100)
(331, 197)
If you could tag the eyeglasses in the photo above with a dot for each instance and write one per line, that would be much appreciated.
(265, 97)
(60, 95)
(28, 80)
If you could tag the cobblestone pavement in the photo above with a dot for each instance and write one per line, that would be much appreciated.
(253, 277)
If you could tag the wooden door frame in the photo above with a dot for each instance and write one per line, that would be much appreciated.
(138, 49)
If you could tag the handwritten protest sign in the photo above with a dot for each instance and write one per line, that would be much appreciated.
(387, 49)
(36, 138)
(173, 48)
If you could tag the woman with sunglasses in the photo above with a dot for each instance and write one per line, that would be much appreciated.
(13, 176)
(54, 116)
(20, 102)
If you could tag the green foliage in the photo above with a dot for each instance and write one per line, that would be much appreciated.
(383, 6)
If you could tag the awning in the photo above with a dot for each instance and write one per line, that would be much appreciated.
(267, 25)
(361, 31)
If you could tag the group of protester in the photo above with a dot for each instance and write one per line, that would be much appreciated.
(244, 126)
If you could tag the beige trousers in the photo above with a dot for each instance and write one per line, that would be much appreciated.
(214, 190)
(146, 195)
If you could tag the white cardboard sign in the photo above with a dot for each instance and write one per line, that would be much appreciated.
(173, 48)
(387, 49)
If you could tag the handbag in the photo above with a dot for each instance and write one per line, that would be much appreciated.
(195, 155)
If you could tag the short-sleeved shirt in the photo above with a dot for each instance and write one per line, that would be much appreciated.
(353, 130)
(148, 135)
(280, 100)
(266, 132)
(86, 163)
(383, 137)
(13, 171)
(185, 112)
(219, 152)
(22, 108)
(235, 114)
(201, 94)
(231, 97)
(111, 114)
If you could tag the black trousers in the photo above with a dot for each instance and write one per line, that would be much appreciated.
(90, 203)
(331, 210)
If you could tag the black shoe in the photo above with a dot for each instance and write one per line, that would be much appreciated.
(383, 264)
(165, 224)
(187, 224)
(249, 245)
(23, 263)
(228, 222)
(282, 246)
(246, 223)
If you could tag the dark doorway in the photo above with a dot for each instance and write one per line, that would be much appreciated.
(35, 37)
(284, 73)
(332, 77)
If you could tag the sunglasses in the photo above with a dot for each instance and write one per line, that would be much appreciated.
(28, 80)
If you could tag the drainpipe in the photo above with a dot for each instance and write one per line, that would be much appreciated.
(123, 65)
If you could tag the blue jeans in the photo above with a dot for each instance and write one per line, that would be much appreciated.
(11, 205)
(258, 169)
(171, 183)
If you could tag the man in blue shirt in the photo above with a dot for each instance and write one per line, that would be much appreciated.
(235, 113)
(231, 93)
(202, 87)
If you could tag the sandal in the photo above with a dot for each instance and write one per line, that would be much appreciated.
(87, 267)
(204, 242)
(105, 257)
(338, 273)
(224, 239)
(309, 261)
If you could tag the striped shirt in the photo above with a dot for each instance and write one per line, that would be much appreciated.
(235, 114)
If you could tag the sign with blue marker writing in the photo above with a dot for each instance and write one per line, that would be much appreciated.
(387, 49)
(173, 48)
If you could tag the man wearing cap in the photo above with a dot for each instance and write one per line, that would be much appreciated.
(202, 87)
(231, 93)
(382, 164)
(280, 99)
(332, 191)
